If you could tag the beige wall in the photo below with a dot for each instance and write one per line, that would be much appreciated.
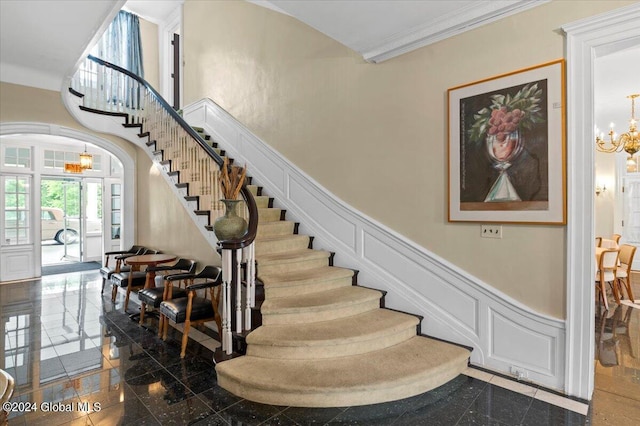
(161, 222)
(605, 202)
(29, 104)
(151, 63)
(382, 127)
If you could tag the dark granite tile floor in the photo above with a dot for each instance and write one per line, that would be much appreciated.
(79, 359)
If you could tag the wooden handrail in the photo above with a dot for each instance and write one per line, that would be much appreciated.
(250, 202)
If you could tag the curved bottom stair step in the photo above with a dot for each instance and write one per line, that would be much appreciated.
(407, 369)
(371, 331)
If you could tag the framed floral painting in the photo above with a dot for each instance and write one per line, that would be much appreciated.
(507, 148)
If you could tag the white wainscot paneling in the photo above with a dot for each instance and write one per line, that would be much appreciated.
(338, 226)
(456, 306)
(17, 263)
(511, 342)
(439, 293)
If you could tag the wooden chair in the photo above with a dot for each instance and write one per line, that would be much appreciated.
(598, 241)
(193, 309)
(154, 295)
(623, 273)
(616, 238)
(131, 279)
(606, 272)
(119, 255)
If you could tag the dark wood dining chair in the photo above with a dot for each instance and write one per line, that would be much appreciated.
(194, 309)
(154, 295)
(118, 255)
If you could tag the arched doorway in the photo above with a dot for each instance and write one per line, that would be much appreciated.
(22, 176)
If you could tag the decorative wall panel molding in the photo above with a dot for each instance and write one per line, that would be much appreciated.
(506, 336)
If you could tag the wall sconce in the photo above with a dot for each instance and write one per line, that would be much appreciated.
(600, 189)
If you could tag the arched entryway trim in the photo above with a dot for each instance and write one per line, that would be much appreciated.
(128, 218)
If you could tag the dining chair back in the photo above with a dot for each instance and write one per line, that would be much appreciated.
(598, 241)
(616, 238)
(194, 309)
(606, 273)
(168, 275)
(623, 273)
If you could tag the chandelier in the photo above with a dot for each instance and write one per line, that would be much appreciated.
(86, 159)
(629, 141)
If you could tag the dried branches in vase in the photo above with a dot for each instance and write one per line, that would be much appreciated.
(230, 226)
(231, 180)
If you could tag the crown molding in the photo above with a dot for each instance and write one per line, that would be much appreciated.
(474, 16)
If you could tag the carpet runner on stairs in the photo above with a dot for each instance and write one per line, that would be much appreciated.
(325, 342)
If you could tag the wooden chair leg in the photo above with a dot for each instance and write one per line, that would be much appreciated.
(614, 290)
(114, 293)
(185, 338)
(143, 308)
(104, 281)
(187, 324)
(165, 328)
(603, 294)
(627, 285)
(161, 321)
(215, 300)
(130, 286)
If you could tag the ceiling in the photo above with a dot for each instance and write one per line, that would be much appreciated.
(41, 41)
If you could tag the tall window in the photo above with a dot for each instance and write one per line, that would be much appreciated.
(121, 44)
(16, 210)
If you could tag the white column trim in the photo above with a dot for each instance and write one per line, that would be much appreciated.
(586, 40)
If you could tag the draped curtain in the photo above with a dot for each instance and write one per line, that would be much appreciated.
(121, 46)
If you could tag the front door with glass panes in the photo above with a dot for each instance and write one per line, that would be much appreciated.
(62, 221)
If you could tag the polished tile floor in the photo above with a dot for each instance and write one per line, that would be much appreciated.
(79, 359)
(616, 399)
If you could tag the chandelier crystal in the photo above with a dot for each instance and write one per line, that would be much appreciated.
(629, 141)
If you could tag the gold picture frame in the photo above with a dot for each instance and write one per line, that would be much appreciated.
(507, 149)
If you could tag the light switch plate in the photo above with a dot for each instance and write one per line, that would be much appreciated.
(491, 231)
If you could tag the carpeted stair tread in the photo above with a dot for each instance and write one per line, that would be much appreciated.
(269, 214)
(306, 281)
(262, 201)
(305, 276)
(292, 256)
(281, 243)
(372, 330)
(406, 369)
(321, 300)
(281, 227)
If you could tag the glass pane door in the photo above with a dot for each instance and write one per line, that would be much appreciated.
(61, 213)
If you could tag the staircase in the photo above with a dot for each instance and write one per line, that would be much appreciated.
(324, 341)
